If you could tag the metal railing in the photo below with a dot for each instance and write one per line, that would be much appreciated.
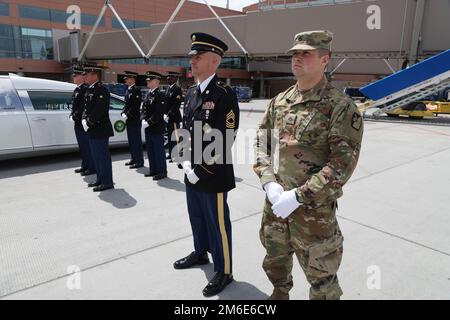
(265, 5)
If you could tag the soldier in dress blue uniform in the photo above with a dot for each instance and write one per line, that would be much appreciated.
(153, 121)
(87, 163)
(98, 126)
(209, 105)
(174, 97)
(132, 114)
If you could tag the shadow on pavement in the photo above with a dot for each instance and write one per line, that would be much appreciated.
(172, 184)
(236, 290)
(119, 198)
(48, 163)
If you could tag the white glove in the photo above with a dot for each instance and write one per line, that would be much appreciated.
(286, 204)
(192, 177)
(166, 118)
(186, 166)
(71, 118)
(124, 116)
(85, 125)
(273, 191)
(144, 124)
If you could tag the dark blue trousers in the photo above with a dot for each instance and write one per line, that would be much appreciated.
(171, 127)
(87, 162)
(135, 143)
(102, 159)
(156, 153)
(211, 226)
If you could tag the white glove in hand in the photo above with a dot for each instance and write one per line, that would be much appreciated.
(286, 204)
(192, 177)
(85, 125)
(124, 116)
(186, 166)
(144, 124)
(71, 118)
(273, 191)
(166, 118)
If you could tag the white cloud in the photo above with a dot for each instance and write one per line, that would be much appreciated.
(234, 4)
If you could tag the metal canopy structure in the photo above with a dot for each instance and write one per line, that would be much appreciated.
(108, 4)
(408, 30)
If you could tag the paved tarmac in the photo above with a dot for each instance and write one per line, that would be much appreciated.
(394, 215)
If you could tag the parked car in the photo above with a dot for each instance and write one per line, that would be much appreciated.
(244, 94)
(34, 117)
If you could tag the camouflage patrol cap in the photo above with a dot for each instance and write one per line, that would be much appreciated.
(312, 40)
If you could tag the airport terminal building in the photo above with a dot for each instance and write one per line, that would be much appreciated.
(372, 39)
(30, 30)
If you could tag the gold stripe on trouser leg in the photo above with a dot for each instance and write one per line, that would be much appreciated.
(176, 132)
(223, 233)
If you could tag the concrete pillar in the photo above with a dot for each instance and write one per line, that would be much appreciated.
(261, 87)
(415, 39)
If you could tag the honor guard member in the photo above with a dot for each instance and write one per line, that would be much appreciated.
(209, 105)
(132, 114)
(98, 126)
(153, 121)
(78, 105)
(174, 97)
(318, 130)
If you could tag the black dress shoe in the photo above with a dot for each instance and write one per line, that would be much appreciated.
(94, 184)
(87, 173)
(129, 163)
(217, 284)
(168, 157)
(149, 175)
(170, 161)
(160, 176)
(136, 166)
(102, 187)
(80, 170)
(191, 260)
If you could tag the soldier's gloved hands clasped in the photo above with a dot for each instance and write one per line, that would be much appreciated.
(124, 116)
(286, 204)
(192, 177)
(273, 191)
(144, 124)
(166, 118)
(85, 125)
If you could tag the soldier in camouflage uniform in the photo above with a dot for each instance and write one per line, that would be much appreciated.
(318, 132)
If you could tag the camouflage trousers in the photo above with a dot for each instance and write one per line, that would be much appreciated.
(314, 236)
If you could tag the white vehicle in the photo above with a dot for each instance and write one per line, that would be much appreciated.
(34, 117)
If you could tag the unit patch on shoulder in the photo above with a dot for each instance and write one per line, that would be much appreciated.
(230, 121)
(356, 121)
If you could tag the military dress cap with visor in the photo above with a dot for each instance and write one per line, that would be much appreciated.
(78, 70)
(130, 74)
(153, 75)
(312, 40)
(173, 74)
(93, 68)
(202, 42)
